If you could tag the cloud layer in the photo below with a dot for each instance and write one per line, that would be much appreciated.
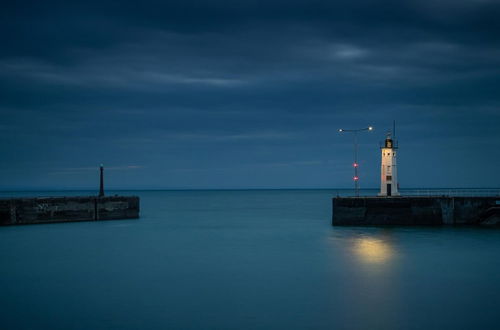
(224, 94)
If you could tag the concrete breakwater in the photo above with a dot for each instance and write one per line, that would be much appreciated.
(17, 211)
(428, 210)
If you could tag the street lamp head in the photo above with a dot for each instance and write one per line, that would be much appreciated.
(341, 130)
(370, 128)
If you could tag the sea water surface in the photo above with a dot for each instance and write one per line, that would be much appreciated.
(256, 259)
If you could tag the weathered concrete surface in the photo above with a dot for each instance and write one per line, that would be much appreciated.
(491, 216)
(17, 211)
(439, 210)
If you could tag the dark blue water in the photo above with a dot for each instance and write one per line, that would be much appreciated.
(246, 260)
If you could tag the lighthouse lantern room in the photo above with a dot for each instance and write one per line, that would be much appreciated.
(389, 172)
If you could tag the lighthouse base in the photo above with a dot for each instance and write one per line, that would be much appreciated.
(415, 211)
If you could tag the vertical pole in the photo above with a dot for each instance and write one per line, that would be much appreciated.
(356, 178)
(356, 165)
(101, 186)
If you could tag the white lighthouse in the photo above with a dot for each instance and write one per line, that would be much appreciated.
(389, 170)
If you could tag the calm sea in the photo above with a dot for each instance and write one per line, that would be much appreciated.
(266, 259)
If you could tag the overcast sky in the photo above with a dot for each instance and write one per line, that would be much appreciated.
(247, 94)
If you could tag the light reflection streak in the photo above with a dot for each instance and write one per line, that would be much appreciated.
(372, 250)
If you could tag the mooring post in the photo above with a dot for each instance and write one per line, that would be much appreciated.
(101, 188)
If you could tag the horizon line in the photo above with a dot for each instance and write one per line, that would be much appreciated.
(230, 189)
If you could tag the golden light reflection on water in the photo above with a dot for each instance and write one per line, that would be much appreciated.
(373, 250)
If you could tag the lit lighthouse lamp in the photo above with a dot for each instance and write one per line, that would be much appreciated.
(389, 174)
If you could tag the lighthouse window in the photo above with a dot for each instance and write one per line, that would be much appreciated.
(388, 177)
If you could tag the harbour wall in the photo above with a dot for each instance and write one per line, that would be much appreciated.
(17, 211)
(428, 210)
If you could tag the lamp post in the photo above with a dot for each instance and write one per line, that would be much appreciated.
(356, 165)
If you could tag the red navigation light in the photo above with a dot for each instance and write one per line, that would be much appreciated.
(356, 178)
(355, 165)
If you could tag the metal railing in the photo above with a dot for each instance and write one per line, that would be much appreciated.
(464, 192)
(451, 192)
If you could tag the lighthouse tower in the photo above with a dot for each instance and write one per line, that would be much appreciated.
(389, 171)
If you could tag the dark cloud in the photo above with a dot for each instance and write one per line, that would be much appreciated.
(247, 93)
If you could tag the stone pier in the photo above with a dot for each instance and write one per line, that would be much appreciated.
(414, 211)
(17, 211)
